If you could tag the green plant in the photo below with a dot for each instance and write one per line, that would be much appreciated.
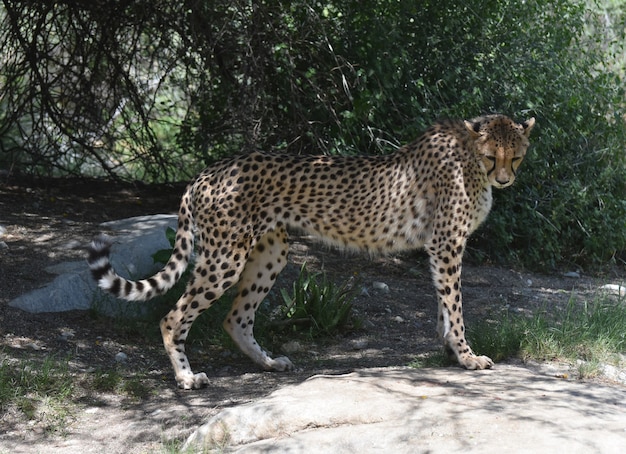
(135, 388)
(318, 305)
(432, 359)
(106, 380)
(163, 255)
(593, 332)
(39, 389)
(331, 77)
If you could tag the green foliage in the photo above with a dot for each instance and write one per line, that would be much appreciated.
(318, 306)
(331, 77)
(568, 206)
(106, 380)
(593, 332)
(163, 255)
(38, 389)
(437, 358)
(113, 380)
(374, 73)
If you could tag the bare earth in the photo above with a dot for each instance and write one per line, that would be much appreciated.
(45, 225)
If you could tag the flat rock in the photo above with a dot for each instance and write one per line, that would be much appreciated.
(135, 240)
(506, 409)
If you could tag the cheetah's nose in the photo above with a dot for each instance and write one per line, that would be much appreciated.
(502, 181)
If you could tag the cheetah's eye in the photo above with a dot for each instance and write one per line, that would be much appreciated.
(492, 160)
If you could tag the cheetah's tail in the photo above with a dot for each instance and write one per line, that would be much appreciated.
(108, 280)
(141, 290)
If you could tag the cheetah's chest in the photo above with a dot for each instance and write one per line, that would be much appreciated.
(482, 206)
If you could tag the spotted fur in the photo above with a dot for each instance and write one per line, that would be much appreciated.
(431, 193)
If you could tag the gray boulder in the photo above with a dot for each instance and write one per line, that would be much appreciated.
(135, 240)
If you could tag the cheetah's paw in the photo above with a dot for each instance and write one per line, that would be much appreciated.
(474, 362)
(280, 364)
(195, 381)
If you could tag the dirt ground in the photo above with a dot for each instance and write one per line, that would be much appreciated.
(49, 223)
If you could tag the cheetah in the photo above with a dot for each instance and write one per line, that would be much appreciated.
(432, 193)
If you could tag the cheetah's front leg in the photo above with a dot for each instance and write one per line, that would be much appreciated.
(446, 271)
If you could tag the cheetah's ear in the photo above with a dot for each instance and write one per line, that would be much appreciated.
(473, 128)
(528, 126)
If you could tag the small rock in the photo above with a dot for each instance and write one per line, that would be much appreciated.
(34, 346)
(380, 286)
(398, 319)
(224, 371)
(121, 357)
(66, 335)
(572, 274)
(359, 344)
(3, 246)
(72, 244)
(292, 347)
(3, 230)
(615, 289)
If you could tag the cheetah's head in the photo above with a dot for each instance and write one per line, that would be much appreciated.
(501, 145)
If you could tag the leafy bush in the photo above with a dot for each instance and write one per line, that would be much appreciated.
(331, 77)
(568, 206)
(373, 74)
(318, 305)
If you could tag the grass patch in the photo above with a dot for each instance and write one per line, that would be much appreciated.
(318, 306)
(114, 380)
(45, 392)
(593, 332)
(437, 358)
(38, 389)
(107, 380)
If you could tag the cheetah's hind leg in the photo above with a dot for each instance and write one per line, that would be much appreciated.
(202, 291)
(267, 259)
